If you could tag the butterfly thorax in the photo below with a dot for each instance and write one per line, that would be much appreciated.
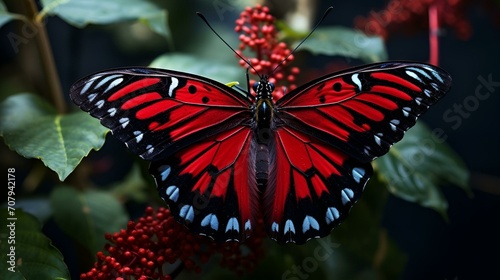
(264, 110)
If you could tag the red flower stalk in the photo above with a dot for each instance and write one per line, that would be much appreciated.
(410, 16)
(156, 243)
(259, 35)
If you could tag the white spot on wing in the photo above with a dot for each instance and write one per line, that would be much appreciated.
(420, 71)
(89, 84)
(434, 73)
(413, 75)
(377, 140)
(107, 79)
(112, 111)
(99, 103)
(113, 84)
(150, 148)
(356, 80)
(418, 100)
(124, 122)
(92, 96)
(394, 124)
(427, 92)
(406, 111)
(174, 82)
(138, 135)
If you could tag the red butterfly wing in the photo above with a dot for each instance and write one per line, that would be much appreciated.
(364, 110)
(329, 130)
(157, 112)
(313, 188)
(197, 133)
(211, 186)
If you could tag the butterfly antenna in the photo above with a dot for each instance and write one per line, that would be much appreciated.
(239, 55)
(303, 40)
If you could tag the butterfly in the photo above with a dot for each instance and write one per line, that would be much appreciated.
(222, 160)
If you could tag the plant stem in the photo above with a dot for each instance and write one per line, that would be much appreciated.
(433, 35)
(47, 59)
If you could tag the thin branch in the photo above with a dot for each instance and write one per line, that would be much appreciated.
(47, 59)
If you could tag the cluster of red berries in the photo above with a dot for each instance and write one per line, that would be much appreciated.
(156, 243)
(410, 16)
(259, 35)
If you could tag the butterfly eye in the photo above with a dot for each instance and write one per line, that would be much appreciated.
(255, 86)
(271, 87)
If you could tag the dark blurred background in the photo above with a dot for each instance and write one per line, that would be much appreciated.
(466, 247)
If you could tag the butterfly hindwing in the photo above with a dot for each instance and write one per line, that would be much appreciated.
(314, 188)
(210, 186)
(363, 111)
(156, 112)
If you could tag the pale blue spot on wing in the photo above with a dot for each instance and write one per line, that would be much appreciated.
(211, 220)
(309, 222)
(347, 195)
(187, 213)
(358, 173)
(331, 214)
(289, 227)
(173, 193)
(164, 171)
(274, 227)
(248, 225)
(233, 224)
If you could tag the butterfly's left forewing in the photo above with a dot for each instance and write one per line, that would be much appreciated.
(157, 112)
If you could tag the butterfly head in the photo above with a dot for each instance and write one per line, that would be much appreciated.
(264, 88)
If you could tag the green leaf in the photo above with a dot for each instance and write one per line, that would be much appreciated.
(416, 166)
(203, 67)
(5, 16)
(87, 216)
(32, 254)
(83, 12)
(133, 186)
(32, 128)
(346, 42)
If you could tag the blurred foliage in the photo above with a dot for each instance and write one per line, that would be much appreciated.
(359, 249)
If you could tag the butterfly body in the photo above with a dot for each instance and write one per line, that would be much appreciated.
(222, 160)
